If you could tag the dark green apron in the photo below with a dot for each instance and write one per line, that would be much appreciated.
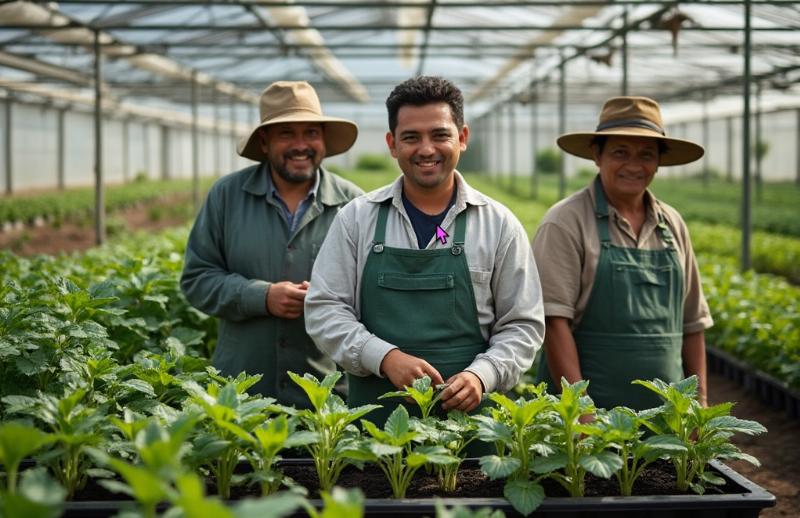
(421, 301)
(633, 324)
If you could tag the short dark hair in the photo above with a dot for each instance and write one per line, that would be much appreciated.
(422, 90)
(600, 142)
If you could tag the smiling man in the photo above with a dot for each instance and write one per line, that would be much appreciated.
(622, 292)
(250, 252)
(426, 276)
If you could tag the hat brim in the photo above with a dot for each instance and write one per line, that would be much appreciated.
(339, 134)
(678, 151)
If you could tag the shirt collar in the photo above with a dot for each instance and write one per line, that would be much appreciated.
(394, 191)
(259, 183)
(652, 208)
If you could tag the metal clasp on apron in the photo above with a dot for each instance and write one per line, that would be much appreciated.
(377, 247)
(456, 249)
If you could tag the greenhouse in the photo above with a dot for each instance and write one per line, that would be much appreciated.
(199, 315)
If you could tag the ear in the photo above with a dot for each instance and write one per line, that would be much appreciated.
(263, 143)
(391, 143)
(596, 154)
(463, 137)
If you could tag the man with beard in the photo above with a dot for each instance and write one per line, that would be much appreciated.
(250, 252)
(426, 276)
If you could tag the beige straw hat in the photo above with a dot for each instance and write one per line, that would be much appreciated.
(296, 101)
(632, 117)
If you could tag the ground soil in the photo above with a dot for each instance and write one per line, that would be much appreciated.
(777, 450)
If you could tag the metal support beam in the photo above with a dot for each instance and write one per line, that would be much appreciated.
(126, 148)
(165, 173)
(512, 145)
(60, 149)
(534, 140)
(625, 52)
(9, 141)
(423, 48)
(195, 146)
(217, 152)
(99, 192)
(759, 142)
(729, 148)
(706, 136)
(562, 127)
(498, 142)
(746, 213)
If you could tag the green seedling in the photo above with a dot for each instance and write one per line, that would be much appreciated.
(38, 496)
(17, 441)
(393, 450)
(455, 433)
(422, 393)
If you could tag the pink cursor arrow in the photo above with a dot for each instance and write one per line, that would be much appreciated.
(441, 235)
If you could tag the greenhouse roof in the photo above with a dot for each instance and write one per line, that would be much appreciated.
(354, 52)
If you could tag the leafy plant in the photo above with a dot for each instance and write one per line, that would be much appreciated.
(17, 441)
(623, 430)
(421, 392)
(464, 512)
(579, 447)
(455, 433)
(330, 438)
(38, 496)
(393, 450)
(704, 432)
(518, 429)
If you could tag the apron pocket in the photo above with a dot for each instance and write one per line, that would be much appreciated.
(643, 296)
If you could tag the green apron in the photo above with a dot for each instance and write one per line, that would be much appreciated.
(421, 301)
(633, 324)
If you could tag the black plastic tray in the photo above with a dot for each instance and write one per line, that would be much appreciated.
(746, 502)
(769, 390)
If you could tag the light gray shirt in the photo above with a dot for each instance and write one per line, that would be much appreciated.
(504, 277)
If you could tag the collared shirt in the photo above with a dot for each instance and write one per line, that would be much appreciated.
(292, 219)
(501, 266)
(238, 247)
(567, 249)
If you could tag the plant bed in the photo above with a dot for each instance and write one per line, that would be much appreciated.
(771, 391)
(654, 494)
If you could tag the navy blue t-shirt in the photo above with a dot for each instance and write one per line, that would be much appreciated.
(425, 224)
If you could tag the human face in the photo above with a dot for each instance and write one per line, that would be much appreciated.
(294, 149)
(427, 144)
(627, 165)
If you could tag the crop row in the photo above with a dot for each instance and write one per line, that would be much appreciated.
(79, 203)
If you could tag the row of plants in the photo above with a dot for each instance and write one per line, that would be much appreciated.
(757, 317)
(78, 204)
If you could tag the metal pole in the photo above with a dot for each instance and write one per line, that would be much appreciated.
(126, 151)
(705, 122)
(99, 194)
(759, 143)
(625, 52)
(146, 148)
(164, 152)
(746, 213)
(534, 141)
(512, 151)
(217, 154)
(498, 141)
(195, 147)
(60, 149)
(729, 147)
(562, 125)
(8, 145)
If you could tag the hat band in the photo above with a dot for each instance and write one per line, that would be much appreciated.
(638, 123)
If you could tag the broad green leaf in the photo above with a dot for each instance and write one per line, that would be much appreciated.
(734, 424)
(316, 394)
(499, 467)
(343, 503)
(397, 424)
(382, 449)
(194, 503)
(712, 479)
(18, 440)
(603, 464)
(273, 506)
(550, 463)
(415, 459)
(302, 438)
(525, 495)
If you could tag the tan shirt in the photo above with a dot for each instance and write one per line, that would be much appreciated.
(567, 248)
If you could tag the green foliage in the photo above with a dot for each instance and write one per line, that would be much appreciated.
(39, 496)
(464, 512)
(330, 436)
(704, 432)
(393, 450)
(422, 393)
(17, 441)
(548, 160)
(454, 433)
(375, 162)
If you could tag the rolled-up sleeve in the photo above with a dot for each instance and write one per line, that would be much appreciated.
(206, 281)
(518, 329)
(332, 320)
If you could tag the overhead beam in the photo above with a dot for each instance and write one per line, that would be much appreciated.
(410, 3)
(426, 35)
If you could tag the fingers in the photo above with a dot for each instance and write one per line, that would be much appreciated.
(285, 299)
(463, 393)
(402, 369)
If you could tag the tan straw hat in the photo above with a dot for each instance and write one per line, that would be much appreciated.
(632, 117)
(296, 101)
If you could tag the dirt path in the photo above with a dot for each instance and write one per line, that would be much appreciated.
(777, 450)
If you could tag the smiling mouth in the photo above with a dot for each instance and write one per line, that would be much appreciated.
(427, 164)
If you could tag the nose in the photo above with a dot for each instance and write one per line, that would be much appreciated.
(426, 147)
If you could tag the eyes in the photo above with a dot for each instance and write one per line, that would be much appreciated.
(412, 138)
(645, 155)
(288, 133)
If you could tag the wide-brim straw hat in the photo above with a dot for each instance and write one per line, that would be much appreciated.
(632, 117)
(296, 101)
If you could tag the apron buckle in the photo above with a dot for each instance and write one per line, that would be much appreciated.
(377, 248)
(456, 249)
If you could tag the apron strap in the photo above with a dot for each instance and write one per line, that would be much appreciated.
(601, 211)
(461, 232)
(666, 233)
(380, 227)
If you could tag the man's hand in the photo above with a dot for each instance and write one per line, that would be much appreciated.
(402, 369)
(463, 392)
(285, 299)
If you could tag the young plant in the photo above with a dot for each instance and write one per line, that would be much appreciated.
(579, 446)
(17, 441)
(38, 495)
(623, 430)
(704, 432)
(423, 394)
(454, 433)
(331, 437)
(518, 430)
(74, 425)
(392, 449)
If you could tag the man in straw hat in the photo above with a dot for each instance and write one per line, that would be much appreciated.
(622, 292)
(426, 276)
(250, 252)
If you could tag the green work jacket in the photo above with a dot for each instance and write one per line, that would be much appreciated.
(239, 245)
